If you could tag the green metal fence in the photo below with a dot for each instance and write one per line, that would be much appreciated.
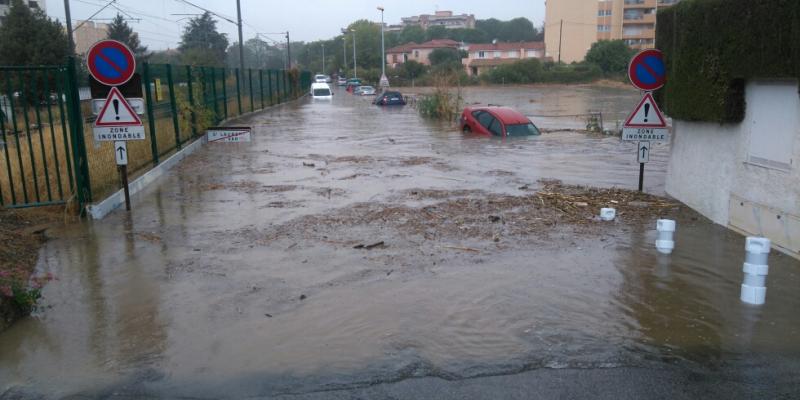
(44, 126)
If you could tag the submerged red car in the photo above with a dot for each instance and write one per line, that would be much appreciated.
(497, 121)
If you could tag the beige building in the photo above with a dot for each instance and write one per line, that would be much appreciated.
(417, 52)
(484, 57)
(573, 25)
(440, 18)
(88, 34)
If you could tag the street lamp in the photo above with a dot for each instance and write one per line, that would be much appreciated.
(323, 58)
(355, 64)
(384, 81)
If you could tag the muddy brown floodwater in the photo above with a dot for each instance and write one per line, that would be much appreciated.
(350, 246)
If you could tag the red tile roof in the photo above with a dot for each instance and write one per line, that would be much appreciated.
(433, 44)
(504, 46)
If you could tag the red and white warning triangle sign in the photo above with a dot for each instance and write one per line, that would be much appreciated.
(117, 111)
(646, 115)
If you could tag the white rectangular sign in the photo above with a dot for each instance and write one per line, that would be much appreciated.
(645, 134)
(228, 135)
(136, 103)
(643, 155)
(121, 153)
(115, 133)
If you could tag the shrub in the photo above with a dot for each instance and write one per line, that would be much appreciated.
(712, 47)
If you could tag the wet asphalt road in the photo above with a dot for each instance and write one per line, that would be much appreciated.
(228, 281)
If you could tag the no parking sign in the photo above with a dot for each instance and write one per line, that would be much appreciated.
(111, 62)
(646, 70)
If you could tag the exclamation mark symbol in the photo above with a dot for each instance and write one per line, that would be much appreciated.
(115, 102)
(646, 110)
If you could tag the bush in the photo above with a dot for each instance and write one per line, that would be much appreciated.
(533, 71)
(712, 47)
(442, 103)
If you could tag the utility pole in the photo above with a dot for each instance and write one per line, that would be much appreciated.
(383, 52)
(355, 63)
(323, 58)
(241, 42)
(344, 48)
(560, 29)
(288, 52)
(69, 27)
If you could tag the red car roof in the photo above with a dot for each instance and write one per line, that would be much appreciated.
(505, 114)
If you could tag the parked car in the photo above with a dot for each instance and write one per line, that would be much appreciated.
(497, 121)
(365, 91)
(342, 81)
(390, 99)
(321, 90)
(320, 78)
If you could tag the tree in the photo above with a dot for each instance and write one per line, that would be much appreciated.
(119, 30)
(445, 57)
(202, 44)
(612, 56)
(515, 30)
(436, 32)
(29, 37)
(412, 33)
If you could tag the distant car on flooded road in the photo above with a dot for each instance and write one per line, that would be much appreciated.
(365, 91)
(390, 99)
(321, 78)
(497, 121)
(342, 81)
(321, 91)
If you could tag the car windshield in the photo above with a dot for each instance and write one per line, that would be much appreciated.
(367, 88)
(528, 129)
(322, 92)
(320, 77)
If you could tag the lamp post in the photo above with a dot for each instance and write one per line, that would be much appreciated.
(355, 64)
(344, 49)
(323, 58)
(384, 81)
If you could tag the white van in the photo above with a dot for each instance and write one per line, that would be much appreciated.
(321, 91)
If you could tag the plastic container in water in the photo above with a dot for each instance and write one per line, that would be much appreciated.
(666, 230)
(608, 214)
(756, 268)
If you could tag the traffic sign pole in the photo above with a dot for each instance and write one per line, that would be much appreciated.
(641, 177)
(121, 154)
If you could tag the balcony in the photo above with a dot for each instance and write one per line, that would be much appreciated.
(639, 19)
(639, 34)
(629, 4)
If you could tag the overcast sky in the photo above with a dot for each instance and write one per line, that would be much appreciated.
(306, 20)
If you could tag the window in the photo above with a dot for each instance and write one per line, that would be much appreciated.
(522, 130)
(604, 28)
(498, 54)
(481, 54)
(633, 14)
(513, 54)
(533, 54)
(603, 13)
(322, 92)
(484, 118)
(416, 53)
(496, 127)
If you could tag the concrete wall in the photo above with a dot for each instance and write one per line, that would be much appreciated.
(716, 168)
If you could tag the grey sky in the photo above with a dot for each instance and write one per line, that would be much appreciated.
(306, 20)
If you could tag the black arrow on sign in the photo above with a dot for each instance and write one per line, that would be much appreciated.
(121, 151)
(644, 151)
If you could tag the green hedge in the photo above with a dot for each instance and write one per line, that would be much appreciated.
(712, 47)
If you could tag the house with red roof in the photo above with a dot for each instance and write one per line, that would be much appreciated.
(417, 52)
(484, 57)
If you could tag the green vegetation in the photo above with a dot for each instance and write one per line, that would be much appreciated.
(202, 44)
(443, 103)
(712, 47)
(612, 56)
(120, 31)
(29, 37)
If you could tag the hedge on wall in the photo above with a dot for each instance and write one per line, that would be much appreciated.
(712, 47)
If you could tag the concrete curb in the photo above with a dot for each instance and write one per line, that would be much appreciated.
(103, 208)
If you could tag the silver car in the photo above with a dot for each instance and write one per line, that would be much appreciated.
(365, 91)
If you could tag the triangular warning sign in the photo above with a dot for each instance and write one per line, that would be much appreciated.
(646, 115)
(117, 111)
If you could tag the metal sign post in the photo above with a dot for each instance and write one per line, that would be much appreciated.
(112, 64)
(121, 155)
(643, 156)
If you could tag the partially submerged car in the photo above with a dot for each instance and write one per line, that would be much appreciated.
(389, 98)
(497, 121)
(365, 91)
(321, 91)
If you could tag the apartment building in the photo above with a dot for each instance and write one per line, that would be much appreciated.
(484, 57)
(6, 4)
(440, 18)
(574, 25)
(87, 34)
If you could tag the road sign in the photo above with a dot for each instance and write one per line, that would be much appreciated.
(643, 154)
(384, 82)
(121, 152)
(228, 134)
(646, 122)
(117, 120)
(136, 103)
(646, 70)
(131, 88)
(111, 62)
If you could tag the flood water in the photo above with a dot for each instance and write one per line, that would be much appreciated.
(220, 285)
